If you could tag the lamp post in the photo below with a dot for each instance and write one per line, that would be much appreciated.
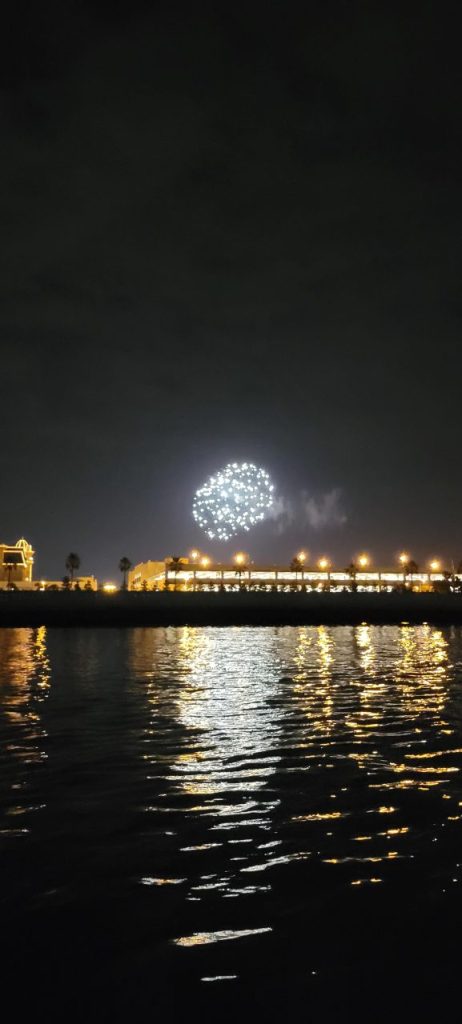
(240, 561)
(404, 561)
(194, 556)
(324, 566)
(297, 563)
(435, 566)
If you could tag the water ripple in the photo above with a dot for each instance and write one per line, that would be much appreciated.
(158, 770)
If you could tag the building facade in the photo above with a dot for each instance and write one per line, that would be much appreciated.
(16, 564)
(147, 575)
(181, 574)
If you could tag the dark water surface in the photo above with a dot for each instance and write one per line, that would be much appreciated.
(236, 821)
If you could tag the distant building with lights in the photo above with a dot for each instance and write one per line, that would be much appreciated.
(78, 583)
(183, 574)
(16, 571)
(16, 563)
(149, 575)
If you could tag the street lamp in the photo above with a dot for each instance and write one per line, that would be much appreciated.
(404, 561)
(241, 562)
(324, 566)
(205, 562)
(363, 561)
(194, 555)
(297, 563)
(435, 565)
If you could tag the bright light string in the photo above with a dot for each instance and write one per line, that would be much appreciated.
(234, 499)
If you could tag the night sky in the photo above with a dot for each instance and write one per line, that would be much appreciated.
(230, 231)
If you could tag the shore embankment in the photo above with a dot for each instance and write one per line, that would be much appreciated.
(225, 609)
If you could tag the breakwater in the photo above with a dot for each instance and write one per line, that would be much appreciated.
(225, 609)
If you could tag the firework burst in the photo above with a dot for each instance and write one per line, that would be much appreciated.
(233, 499)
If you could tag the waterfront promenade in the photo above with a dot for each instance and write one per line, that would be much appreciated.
(223, 609)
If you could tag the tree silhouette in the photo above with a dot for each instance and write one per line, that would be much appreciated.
(352, 569)
(125, 566)
(296, 566)
(175, 565)
(72, 564)
(239, 568)
(409, 568)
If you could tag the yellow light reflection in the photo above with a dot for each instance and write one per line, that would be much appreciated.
(25, 678)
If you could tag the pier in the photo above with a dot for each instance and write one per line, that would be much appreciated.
(224, 608)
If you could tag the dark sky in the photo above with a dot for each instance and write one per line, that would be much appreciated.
(230, 231)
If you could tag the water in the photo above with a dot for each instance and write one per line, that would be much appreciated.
(243, 820)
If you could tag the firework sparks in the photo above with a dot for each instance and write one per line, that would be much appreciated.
(234, 499)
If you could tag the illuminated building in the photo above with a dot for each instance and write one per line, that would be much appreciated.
(202, 573)
(78, 583)
(84, 583)
(150, 575)
(16, 561)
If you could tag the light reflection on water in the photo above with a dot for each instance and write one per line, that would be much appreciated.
(223, 771)
(333, 708)
(25, 677)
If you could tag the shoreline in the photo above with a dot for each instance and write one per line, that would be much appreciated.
(80, 609)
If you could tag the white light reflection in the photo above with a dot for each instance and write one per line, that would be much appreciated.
(223, 703)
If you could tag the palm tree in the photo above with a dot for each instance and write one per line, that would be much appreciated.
(174, 565)
(72, 564)
(125, 566)
(239, 569)
(296, 566)
(409, 568)
(352, 569)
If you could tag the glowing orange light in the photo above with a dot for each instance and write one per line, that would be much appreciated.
(301, 556)
(404, 558)
(323, 564)
(363, 561)
(194, 555)
(205, 562)
(239, 558)
(435, 565)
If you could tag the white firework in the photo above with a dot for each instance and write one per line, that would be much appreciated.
(234, 499)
